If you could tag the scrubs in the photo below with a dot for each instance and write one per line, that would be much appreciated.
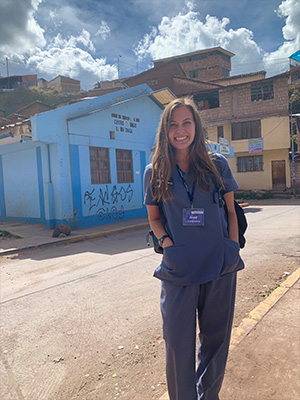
(198, 277)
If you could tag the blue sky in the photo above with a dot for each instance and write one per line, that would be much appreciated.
(95, 40)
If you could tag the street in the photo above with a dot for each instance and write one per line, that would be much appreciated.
(82, 320)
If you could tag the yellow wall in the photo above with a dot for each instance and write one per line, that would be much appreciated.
(260, 180)
(275, 132)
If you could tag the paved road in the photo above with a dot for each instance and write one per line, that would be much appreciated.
(73, 313)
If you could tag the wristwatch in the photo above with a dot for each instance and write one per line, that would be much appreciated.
(161, 239)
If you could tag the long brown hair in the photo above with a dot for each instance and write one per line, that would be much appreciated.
(164, 161)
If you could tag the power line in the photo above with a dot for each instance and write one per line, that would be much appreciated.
(237, 67)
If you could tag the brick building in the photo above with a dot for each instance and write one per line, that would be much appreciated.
(254, 117)
(181, 74)
(24, 113)
(63, 84)
(18, 81)
(205, 65)
(248, 110)
(159, 77)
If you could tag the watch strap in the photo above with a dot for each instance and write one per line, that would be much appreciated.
(161, 239)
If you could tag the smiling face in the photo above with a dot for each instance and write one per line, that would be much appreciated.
(182, 129)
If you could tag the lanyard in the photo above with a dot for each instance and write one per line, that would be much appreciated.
(189, 193)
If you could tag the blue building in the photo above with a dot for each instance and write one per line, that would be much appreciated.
(83, 163)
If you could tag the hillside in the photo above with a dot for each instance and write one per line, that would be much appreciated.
(12, 101)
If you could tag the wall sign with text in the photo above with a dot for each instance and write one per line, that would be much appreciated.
(123, 123)
(256, 145)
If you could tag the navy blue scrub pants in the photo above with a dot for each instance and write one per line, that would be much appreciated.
(214, 302)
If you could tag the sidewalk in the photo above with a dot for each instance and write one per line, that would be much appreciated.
(37, 235)
(264, 358)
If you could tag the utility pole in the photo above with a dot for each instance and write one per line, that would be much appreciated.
(7, 73)
(293, 148)
(119, 66)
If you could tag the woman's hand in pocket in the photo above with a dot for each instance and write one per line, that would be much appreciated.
(167, 242)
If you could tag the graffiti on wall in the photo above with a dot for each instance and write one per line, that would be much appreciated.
(108, 203)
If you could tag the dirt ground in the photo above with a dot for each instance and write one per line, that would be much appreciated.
(126, 360)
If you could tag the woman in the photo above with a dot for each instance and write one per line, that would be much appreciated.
(200, 252)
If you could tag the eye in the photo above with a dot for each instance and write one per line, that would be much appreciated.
(187, 123)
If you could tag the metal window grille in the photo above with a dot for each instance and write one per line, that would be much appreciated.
(220, 132)
(100, 166)
(124, 166)
(262, 91)
(250, 164)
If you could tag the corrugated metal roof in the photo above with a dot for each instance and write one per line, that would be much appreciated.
(163, 96)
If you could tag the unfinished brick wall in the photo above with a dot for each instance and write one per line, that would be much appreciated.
(158, 77)
(236, 104)
(209, 68)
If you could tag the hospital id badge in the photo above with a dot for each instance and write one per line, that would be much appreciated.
(193, 216)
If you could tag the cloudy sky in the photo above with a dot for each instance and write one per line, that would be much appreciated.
(93, 40)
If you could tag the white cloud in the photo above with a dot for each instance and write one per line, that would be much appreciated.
(24, 43)
(277, 61)
(103, 31)
(186, 33)
(84, 40)
(19, 31)
(65, 57)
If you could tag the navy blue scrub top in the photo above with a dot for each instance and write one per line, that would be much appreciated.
(200, 253)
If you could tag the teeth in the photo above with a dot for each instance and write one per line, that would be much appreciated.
(182, 138)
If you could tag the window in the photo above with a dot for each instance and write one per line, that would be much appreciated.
(262, 91)
(152, 82)
(295, 76)
(100, 168)
(207, 100)
(225, 71)
(124, 166)
(220, 132)
(249, 164)
(193, 73)
(246, 130)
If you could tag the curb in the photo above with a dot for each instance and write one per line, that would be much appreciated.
(249, 322)
(75, 239)
(256, 315)
(81, 238)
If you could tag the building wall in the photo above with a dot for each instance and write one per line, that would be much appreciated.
(276, 147)
(209, 68)
(64, 84)
(48, 178)
(236, 80)
(64, 136)
(158, 77)
(261, 180)
(21, 181)
(114, 201)
(235, 104)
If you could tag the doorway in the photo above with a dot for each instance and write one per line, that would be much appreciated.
(278, 175)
